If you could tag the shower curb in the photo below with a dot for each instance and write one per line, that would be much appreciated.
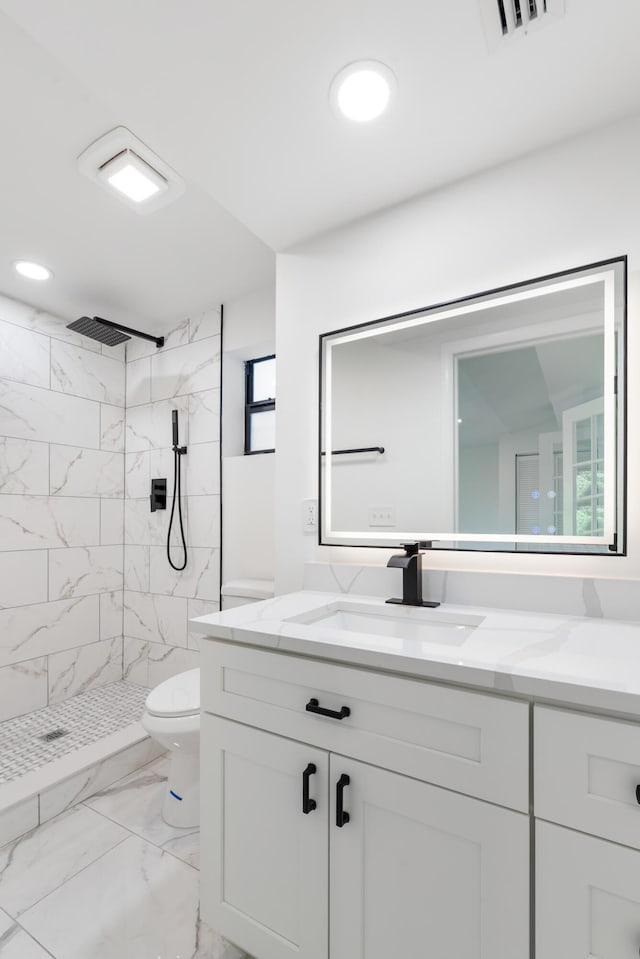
(46, 792)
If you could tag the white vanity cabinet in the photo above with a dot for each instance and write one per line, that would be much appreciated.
(492, 784)
(586, 773)
(383, 854)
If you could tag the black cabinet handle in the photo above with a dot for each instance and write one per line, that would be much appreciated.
(638, 794)
(308, 805)
(314, 707)
(342, 817)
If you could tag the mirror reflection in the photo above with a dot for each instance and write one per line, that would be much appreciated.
(496, 422)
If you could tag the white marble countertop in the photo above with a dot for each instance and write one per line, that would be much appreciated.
(593, 663)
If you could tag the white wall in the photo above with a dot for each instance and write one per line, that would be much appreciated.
(247, 481)
(248, 527)
(554, 210)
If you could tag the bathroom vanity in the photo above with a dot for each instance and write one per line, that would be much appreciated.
(452, 782)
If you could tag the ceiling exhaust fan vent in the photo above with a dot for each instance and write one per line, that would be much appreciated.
(505, 19)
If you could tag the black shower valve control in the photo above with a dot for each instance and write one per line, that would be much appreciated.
(158, 494)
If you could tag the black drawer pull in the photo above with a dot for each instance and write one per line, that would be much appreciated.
(342, 817)
(314, 707)
(308, 805)
(638, 794)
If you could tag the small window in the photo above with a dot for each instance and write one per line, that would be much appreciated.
(260, 405)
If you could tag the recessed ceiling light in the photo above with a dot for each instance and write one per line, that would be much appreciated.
(129, 174)
(362, 90)
(34, 271)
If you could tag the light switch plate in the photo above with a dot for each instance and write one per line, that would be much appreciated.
(382, 516)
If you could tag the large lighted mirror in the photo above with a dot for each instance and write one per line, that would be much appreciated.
(493, 422)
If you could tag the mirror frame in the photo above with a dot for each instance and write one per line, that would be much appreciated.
(614, 540)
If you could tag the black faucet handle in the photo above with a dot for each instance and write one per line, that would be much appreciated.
(413, 548)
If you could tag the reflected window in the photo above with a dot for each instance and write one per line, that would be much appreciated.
(549, 435)
(260, 405)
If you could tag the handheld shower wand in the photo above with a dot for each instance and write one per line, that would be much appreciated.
(174, 423)
(178, 451)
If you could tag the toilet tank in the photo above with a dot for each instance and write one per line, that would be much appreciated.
(240, 592)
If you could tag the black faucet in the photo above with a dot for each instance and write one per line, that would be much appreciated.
(411, 565)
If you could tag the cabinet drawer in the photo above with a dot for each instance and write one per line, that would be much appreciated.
(474, 743)
(586, 773)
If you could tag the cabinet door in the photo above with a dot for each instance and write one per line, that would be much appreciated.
(420, 871)
(264, 861)
(587, 896)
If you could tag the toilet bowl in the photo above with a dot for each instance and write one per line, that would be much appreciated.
(172, 716)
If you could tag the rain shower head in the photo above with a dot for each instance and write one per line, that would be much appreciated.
(98, 330)
(104, 331)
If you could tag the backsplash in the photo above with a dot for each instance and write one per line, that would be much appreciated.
(61, 510)
(572, 596)
(158, 601)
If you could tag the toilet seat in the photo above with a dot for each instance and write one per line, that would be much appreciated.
(177, 696)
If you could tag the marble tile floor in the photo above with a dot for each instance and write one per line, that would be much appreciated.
(107, 879)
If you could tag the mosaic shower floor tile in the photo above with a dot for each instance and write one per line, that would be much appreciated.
(35, 739)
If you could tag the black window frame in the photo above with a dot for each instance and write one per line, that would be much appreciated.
(262, 406)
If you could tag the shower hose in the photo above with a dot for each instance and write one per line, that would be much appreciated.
(177, 493)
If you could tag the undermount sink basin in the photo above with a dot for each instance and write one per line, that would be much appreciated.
(408, 623)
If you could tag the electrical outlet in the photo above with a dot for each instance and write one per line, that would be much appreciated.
(382, 516)
(309, 515)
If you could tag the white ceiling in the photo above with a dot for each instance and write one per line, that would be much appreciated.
(107, 260)
(234, 96)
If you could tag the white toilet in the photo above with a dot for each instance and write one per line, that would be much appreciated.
(172, 716)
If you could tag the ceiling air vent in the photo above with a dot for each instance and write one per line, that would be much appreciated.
(126, 168)
(506, 19)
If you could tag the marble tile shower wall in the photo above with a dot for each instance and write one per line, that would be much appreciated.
(62, 420)
(158, 601)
